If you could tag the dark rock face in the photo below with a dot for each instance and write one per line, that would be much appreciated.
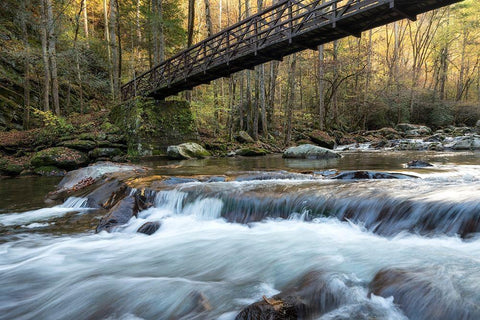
(120, 214)
(322, 139)
(423, 295)
(418, 164)
(364, 175)
(149, 228)
(104, 153)
(311, 296)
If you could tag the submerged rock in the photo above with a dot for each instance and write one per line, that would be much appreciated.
(149, 228)
(60, 157)
(308, 151)
(418, 164)
(313, 295)
(425, 295)
(360, 175)
(189, 150)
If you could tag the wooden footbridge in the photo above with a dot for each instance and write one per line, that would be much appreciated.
(287, 27)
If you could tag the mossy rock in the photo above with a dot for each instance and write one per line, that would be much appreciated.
(105, 153)
(251, 152)
(322, 139)
(188, 150)
(60, 157)
(87, 136)
(10, 169)
(49, 171)
(83, 145)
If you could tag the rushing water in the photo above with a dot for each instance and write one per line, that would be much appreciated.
(223, 245)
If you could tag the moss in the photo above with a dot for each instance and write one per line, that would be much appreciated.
(251, 152)
(50, 171)
(61, 157)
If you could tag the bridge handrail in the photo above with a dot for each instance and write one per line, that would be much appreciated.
(213, 45)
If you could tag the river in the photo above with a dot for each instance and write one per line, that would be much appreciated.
(223, 245)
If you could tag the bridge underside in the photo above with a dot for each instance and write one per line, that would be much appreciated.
(350, 25)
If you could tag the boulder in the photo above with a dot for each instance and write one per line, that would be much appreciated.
(251, 152)
(189, 150)
(418, 164)
(60, 157)
(413, 129)
(121, 213)
(82, 145)
(368, 175)
(477, 127)
(244, 137)
(149, 228)
(314, 294)
(423, 294)
(322, 139)
(104, 153)
(308, 151)
(471, 142)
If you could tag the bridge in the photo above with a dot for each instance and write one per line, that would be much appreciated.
(282, 29)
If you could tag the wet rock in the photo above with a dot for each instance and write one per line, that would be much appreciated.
(361, 175)
(149, 228)
(413, 129)
(96, 171)
(477, 127)
(104, 153)
(423, 294)
(82, 145)
(436, 147)
(418, 164)
(189, 150)
(437, 137)
(60, 157)
(178, 180)
(408, 145)
(471, 142)
(251, 152)
(322, 139)
(244, 137)
(311, 296)
(49, 171)
(308, 151)
(120, 214)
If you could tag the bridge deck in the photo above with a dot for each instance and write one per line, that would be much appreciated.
(287, 27)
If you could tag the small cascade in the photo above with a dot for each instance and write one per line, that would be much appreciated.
(72, 204)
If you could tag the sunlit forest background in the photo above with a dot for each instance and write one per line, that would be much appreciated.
(71, 56)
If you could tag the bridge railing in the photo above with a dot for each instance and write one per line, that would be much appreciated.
(280, 23)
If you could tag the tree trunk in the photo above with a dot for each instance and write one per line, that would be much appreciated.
(109, 49)
(46, 62)
(290, 99)
(158, 32)
(52, 53)
(77, 62)
(321, 87)
(114, 49)
(336, 77)
(26, 65)
(191, 22)
(85, 21)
